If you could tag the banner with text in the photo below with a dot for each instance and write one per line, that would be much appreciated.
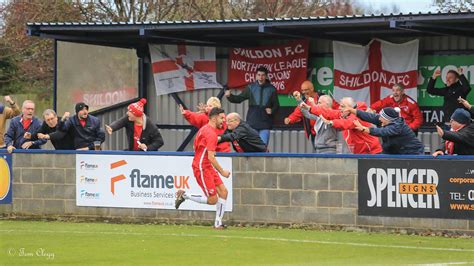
(416, 188)
(323, 80)
(6, 178)
(138, 181)
(286, 64)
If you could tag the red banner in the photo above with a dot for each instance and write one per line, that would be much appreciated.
(286, 65)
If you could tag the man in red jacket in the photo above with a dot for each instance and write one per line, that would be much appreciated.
(409, 109)
(307, 89)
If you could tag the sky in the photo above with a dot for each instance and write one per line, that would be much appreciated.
(404, 6)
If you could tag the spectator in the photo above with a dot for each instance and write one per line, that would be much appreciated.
(201, 118)
(49, 130)
(86, 128)
(242, 136)
(307, 89)
(456, 86)
(142, 134)
(356, 141)
(21, 129)
(459, 140)
(5, 114)
(263, 103)
(467, 105)
(397, 137)
(409, 108)
(326, 135)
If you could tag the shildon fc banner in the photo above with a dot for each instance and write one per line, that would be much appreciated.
(367, 73)
(286, 64)
(139, 181)
(183, 68)
(416, 188)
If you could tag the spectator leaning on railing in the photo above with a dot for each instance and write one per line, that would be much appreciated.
(242, 136)
(142, 133)
(201, 118)
(86, 128)
(397, 137)
(263, 103)
(5, 114)
(326, 135)
(21, 129)
(456, 86)
(460, 139)
(356, 141)
(49, 130)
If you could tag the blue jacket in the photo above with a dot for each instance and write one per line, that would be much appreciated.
(15, 133)
(397, 137)
(84, 136)
(260, 97)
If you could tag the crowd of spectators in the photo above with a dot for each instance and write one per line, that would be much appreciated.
(389, 126)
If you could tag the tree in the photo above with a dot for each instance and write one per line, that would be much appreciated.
(453, 5)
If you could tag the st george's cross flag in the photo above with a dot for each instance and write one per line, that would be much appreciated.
(183, 68)
(367, 73)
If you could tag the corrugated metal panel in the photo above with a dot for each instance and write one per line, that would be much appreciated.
(118, 140)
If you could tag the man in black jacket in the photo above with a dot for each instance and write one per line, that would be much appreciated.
(263, 103)
(50, 130)
(460, 139)
(456, 86)
(242, 136)
(86, 128)
(142, 134)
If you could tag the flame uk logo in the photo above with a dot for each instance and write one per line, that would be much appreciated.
(117, 178)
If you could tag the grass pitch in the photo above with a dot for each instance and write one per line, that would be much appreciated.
(26, 242)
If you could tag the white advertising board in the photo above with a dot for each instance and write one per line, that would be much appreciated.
(140, 181)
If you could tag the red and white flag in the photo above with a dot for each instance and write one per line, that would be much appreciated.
(183, 68)
(367, 73)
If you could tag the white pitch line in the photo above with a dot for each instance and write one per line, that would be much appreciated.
(243, 237)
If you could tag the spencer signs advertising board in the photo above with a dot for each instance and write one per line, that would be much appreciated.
(416, 188)
(137, 181)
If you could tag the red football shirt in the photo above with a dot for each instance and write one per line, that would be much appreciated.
(206, 140)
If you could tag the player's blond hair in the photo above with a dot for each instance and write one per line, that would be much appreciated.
(214, 102)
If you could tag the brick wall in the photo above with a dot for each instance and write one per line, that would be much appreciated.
(274, 190)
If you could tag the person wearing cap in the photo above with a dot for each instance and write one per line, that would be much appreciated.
(86, 128)
(7, 112)
(397, 136)
(22, 127)
(142, 133)
(458, 140)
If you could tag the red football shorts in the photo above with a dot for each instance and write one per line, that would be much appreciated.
(208, 179)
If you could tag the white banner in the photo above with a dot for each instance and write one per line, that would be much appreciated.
(367, 73)
(140, 181)
(183, 68)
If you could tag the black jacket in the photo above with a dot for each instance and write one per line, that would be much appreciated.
(397, 137)
(245, 137)
(84, 136)
(463, 140)
(260, 97)
(61, 140)
(151, 136)
(450, 94)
